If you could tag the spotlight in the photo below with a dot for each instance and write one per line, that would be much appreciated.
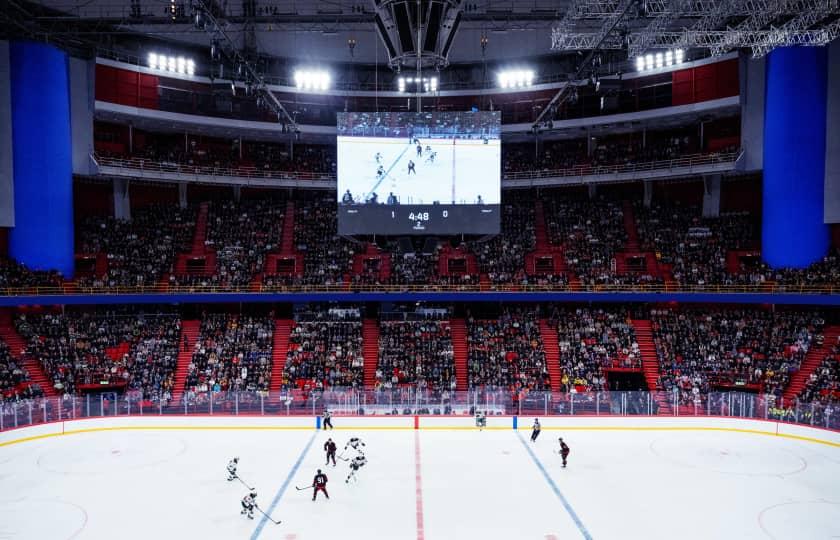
(312, 80)
(516, 78)
(648, 61)
(153, 60)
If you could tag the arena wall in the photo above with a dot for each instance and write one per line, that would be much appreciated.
(575, 423)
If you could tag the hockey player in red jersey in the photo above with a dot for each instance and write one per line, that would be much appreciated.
(319, 483)
(564, 451)
(330, 448)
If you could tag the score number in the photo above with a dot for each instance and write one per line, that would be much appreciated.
(420, 216)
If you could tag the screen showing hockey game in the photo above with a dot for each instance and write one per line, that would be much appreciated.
(419, 173)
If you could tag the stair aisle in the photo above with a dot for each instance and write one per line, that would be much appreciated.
(458, 329)
(812, 361)
(191, 329)
(17, 344)
(370, 351)
(630, 227)
(650, 363)
(552, 353)
(280, 346)
(287, 244)
(200, 235)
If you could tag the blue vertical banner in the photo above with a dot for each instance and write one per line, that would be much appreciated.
(42, 237)
(794, 233)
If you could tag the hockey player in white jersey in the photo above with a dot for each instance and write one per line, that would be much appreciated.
(357, 463)
(249, 502)
(231, 469)
(354, 443)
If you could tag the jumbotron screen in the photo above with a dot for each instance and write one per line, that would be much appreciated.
(419, 173)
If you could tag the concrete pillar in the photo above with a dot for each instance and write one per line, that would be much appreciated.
(711, 195)
(592, 189)
(182, 195)
(122, 199)
(648, 194)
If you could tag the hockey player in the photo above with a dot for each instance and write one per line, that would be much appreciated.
(535, 432)
(411, 167)
(564, 451)
(357, 463)
(319, 483)
(249, 502)
(231, 469)
(380, 172)
(329, 448)
(480, 420)
(378, 157)
(419, 150)
(430, 158)
(354, 443)
(327, 419)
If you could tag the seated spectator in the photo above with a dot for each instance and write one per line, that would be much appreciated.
(503, 257)
(14, 275)
(14, 379)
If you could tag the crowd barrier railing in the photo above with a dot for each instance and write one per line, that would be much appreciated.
(409, 401)
(72, 288)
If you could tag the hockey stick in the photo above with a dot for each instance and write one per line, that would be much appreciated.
(303, 488)
(243, 482)
(278, 522)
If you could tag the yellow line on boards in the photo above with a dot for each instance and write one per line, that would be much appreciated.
(411, 428)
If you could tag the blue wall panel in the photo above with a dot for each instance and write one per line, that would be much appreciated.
(793, 231)
(43, 176)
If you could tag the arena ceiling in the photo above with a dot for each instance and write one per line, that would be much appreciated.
(323, 30)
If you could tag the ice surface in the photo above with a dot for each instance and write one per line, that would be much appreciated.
(475, 168)
(161, 484)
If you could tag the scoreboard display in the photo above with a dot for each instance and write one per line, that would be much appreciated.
(419, 173)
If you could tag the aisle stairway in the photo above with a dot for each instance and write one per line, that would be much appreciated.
(287, 243)
(17, 345)
(191, 329)
(630, 228)
(459, 348)
(280, 346)
(812, 361)
(370, 351)
(650, 363)
(552, 353)
(539, 227)
(200, 235)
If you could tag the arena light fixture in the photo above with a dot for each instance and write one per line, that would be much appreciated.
(660, 59)
(312, 80)
(174, 64)
(417, 84)
(516, 78)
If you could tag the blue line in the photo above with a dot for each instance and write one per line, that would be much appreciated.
(581, 527)
(391, 168)
(285, 485)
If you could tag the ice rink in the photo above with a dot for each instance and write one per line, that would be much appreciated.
(438, 484)
(471, 167)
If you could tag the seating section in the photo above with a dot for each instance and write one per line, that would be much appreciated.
(241, 235)
(823, 385)
(507, 352)
(233, 353)
(117, 350)
(16, 275)
(325, 351)
(503, 257)
(697, 247)
(139, 250)
(418, 354)
(14, 379)
(592, 341)
(327, 257)
(704, 349)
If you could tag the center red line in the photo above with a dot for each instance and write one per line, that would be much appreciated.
(418, 482)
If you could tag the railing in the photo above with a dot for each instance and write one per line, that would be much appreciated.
(693, 160)
(71, 288)
(408, 401)
(139, 164)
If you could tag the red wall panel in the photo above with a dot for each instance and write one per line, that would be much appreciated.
(126, 87)
(705, 83)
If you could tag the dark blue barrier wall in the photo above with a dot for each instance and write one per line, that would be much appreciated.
(42, 237)
(298, 298)
(793, 232)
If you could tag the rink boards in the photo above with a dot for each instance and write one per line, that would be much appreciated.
(440, 423)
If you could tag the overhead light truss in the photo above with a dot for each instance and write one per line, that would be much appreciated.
(717, 25)
(245, 69)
